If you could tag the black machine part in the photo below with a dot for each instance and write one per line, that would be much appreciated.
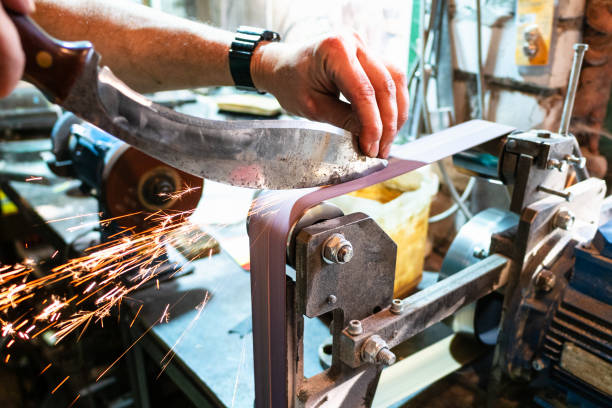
(125, 180)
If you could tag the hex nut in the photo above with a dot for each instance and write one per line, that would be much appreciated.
(376, 351)
(337, 250)
(564, 219)
(545, 280)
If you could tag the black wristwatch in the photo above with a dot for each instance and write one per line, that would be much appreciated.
(241, 52)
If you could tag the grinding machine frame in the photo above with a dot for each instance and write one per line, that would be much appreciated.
(279, 302)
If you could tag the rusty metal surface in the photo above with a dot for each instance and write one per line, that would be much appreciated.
(540, 246)
(269, 228)
(355, 291)
(427, 307)
(360, 287)
(527, 162)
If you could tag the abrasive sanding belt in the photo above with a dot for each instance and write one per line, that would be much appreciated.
(269, 229)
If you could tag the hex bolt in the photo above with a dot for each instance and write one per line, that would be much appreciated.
(376, 351)
(567, 195)
(555, 164)
(355, 328)
(332, 299)
(538, 364)
(564, 219)
(480, 253)
(397, 306)
(337, 250)
(545, 280)
(578, 162)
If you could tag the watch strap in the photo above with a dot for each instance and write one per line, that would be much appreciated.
(241, 52)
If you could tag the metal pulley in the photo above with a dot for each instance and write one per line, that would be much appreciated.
(471, 245)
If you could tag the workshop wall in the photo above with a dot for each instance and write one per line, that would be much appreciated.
(521, 97)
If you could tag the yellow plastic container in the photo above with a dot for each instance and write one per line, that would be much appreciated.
(401, 208)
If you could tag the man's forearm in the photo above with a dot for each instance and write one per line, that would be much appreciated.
(147, 49)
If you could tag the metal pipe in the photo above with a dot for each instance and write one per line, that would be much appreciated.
(570, 96)
(479, 76)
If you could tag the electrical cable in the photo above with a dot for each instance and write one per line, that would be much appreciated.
(453, 209)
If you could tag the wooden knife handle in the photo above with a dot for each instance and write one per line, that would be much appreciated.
(51, 65)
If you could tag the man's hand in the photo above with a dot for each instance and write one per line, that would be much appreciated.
(307, 80)
(12, 58)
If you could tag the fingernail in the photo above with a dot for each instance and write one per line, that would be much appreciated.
(31, 6)
(385, 151)
(372, 149)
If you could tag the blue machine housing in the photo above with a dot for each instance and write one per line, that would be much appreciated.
(593, 270)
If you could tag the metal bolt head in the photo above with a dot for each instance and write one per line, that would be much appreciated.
(397, 306)
(579, 47)
(578, 162)
(332, 299)
(480, 253)
(511, 144)
(345, 254)
(555, 164)
(376, 351)
(355, 328)
(545, 280)
(544, 134)
(538, 364)
(564, 219)
(337, 250)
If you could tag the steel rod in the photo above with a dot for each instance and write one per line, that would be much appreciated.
(570, 96)
(429, 306)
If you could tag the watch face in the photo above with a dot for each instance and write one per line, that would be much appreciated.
(270, 36)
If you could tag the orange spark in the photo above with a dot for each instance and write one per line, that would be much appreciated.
(60, 384)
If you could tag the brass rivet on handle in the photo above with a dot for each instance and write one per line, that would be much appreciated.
(44, 59)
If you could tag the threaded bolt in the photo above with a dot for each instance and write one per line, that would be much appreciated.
(386, 357)
(579, 162)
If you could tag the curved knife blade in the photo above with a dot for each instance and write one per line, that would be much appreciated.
(267, 154)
